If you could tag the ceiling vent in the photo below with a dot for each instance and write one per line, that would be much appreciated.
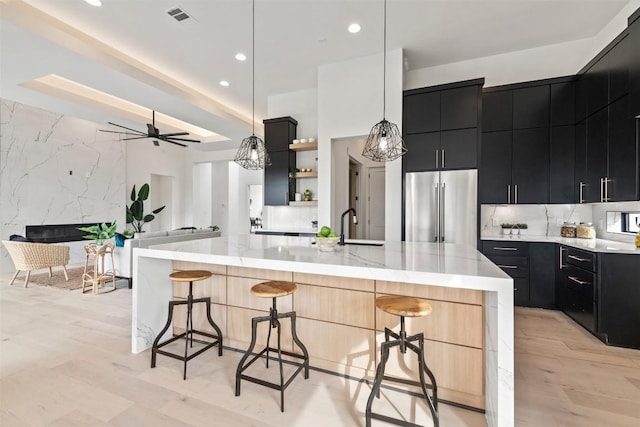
(178, 13)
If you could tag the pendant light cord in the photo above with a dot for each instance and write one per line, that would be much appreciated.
(253, 67)
(384, 63)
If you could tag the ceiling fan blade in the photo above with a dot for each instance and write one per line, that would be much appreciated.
(124, 127)
(120, 132)
(172, 142)
(180, 139)
(174, 134)
(137, 137)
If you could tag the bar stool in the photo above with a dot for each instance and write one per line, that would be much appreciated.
(97, 276)
(403, 307)
(188, 276)
(273, 290)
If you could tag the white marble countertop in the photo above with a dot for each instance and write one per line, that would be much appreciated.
(593, 245)
(286, 230)
(410, 262)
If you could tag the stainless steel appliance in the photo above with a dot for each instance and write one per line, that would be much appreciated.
(441, 206)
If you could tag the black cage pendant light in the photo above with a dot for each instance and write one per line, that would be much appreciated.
(385, 140)
(252, 153)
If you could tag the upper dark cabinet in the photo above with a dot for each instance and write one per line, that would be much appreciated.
(421, 112)
(494, 176)
(497, 111)
(279, 133)
(619, 69)
(581, 99)
(562, 165)
(459, 149)
(633, 59)
(531, 107)
(597, 85)
(580, 171)
(563, 101)
(530, 166)
(596, 169)
(459, 108)
(422, 150)
(623, 152)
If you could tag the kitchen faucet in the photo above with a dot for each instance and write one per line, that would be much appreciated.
(355, 221)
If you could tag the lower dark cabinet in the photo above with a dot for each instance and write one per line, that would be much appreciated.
(521, 292)
(542, 275)
(619, 315)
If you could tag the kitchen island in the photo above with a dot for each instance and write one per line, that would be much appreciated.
(468, 337)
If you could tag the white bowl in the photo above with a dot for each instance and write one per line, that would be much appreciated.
(303, 141)
(312, 140)
(327, 244)
(296, 141)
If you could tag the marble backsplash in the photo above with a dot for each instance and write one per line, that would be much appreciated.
(546, 220)
(293, 217)
(56, 169)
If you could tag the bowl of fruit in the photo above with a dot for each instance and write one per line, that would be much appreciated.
(327, 239)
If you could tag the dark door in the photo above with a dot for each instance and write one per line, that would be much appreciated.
(623, 149)
(542, 274)
(561, 165)
(421, 112)
(421, 152)
(530, 165)
(619, 69)
(580, 172)
(497, 111)
(596, 155)
(459, 149)
(494, 176)
(459, 108)
(597, 81)
(531, 107)
(563, 101)
(276, 180)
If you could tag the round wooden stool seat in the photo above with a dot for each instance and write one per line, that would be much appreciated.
(190, 275)
(403, 306)
(273, 289)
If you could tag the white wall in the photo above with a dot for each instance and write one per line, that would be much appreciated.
(220, 196)
(202, 189)
(349, 104)
(239, 181)
(56, 169)
(532, 64)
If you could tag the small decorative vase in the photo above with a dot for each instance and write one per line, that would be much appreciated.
(506, 231)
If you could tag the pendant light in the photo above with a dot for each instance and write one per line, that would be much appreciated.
(385, 140)
(252, 153)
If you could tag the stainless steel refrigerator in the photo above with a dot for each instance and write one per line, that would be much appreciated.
(441, 206)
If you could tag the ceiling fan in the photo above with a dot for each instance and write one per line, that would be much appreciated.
(152, 132)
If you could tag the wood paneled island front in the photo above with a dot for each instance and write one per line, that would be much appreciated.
(468, 337)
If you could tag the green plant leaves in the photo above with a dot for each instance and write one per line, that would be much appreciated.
(144, 192)
(135, 212)
(157, 211)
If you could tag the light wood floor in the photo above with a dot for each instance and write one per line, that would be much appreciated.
(65, 361)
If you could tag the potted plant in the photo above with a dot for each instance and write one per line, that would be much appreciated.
(121, 237)
(135, 213)
(100, 232)
(522, 228)
(506, 228)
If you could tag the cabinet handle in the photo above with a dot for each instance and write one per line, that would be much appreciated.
(577, 258)
(512, 267)
(606, 188)
(436, 159)
(578, 281)
(515, 194)
(499, 248)
(582, 184)
(601, 190)
(560, 260)
(443, 158)
(286, 197)
(509, 194)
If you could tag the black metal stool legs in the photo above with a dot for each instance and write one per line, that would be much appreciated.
(188, 333)
(274, 323)
(404, 343)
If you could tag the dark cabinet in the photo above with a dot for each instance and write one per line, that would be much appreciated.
(531, 107)
(497, 111)
(618, 301)
(513, 259)
(440, 127)
(576, 281)
(618, 64)
(459, 107)
(562, 165)
(542, 274)
(596, 168)
(278, 188)
(580, 171)
(633, 59)
(278, 134)
(530, 166)
(622, 177)
(494, 176)
(597, 85)
(423, 151)
(563, 102)
(421, 113)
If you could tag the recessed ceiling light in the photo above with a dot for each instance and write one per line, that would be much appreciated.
(224, 83)
(94, 2)
(241, 57)
(354, 28)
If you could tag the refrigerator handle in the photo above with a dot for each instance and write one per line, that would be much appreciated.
(443, 158)
(442, 213)
(509, 194)
(436, 159)
(437, 213)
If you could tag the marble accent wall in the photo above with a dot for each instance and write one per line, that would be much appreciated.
(289, 217)
(546, 220)
(56, 169)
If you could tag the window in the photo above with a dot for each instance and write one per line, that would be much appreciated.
(630, 222)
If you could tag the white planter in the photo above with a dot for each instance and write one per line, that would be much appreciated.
(506, 231)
